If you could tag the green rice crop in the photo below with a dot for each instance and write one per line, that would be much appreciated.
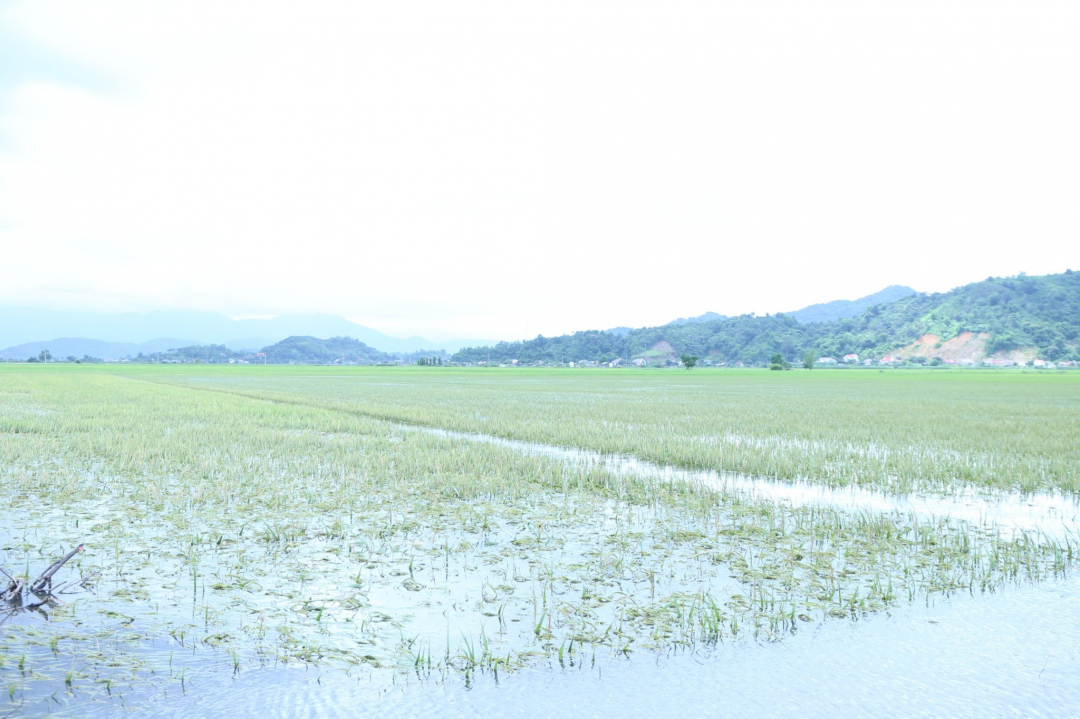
(895, 430)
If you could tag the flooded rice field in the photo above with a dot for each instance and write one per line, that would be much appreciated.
(1045, 513)
(305, 560)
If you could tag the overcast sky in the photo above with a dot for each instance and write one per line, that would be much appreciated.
(503, 169)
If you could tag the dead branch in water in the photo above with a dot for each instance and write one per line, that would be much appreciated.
(80, 581)
(14, 590)
(42, 586)
(45, 580)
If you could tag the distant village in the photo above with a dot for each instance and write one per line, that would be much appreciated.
(821, 362)
(444, 360)
(850, 360)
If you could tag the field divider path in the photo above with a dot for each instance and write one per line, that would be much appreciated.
(1052, 515)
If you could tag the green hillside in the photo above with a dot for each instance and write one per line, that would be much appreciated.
(311, 350)
(1037, 315)
(1042, 313)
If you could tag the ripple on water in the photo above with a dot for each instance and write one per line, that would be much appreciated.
(1014, 653)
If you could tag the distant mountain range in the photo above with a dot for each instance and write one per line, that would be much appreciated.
(840, 309)
(707, 317)
(1017, 317)
(77, 347)
(26, 331)
(826, 312)
(1008, 318)
(291, 350)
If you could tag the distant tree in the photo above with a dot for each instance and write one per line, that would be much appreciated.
(44, 355)
(809, 359)
(688, 361)
(777, 362)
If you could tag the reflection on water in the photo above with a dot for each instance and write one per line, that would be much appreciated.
(1009, 654)
(1054, 514)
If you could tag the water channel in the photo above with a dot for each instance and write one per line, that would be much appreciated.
(1054, 515)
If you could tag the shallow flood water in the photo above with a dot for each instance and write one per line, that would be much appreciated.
(1055, 515)
(1011, 653)
(1015, 653)
(312, 610)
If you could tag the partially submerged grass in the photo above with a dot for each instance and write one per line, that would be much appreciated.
(235, 529)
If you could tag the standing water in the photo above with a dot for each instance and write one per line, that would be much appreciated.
(1016, 653)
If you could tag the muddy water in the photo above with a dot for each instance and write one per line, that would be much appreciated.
(1054, 514)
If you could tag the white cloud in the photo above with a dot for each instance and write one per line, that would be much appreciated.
(500, 168)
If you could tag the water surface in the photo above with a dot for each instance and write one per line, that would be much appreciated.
(1014, 653)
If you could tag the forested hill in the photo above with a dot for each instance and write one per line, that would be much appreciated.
(311, 350)
(1014, 316)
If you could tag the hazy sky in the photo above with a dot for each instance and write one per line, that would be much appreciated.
(503, 169)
